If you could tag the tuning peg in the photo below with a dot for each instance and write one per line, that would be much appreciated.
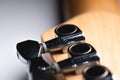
(31, 49)
(81, 55)
(40, 69)
(68, 29)
(27, 50)
(97, 72)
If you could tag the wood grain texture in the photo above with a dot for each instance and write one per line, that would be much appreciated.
(75, 7)
(102, 30)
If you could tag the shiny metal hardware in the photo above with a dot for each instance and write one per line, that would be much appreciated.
(42, 69)
(30, 49)
(67, 29)
(80, 55)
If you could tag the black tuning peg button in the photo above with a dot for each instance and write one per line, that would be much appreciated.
(27, 50)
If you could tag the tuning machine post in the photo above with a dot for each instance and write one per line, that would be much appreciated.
(97, 72)
(80, 55)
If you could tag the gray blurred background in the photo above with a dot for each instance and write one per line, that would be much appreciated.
(21, 20)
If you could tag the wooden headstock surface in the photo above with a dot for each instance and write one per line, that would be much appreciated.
(102, 30)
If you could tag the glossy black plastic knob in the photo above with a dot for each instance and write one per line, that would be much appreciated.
(28, 49)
